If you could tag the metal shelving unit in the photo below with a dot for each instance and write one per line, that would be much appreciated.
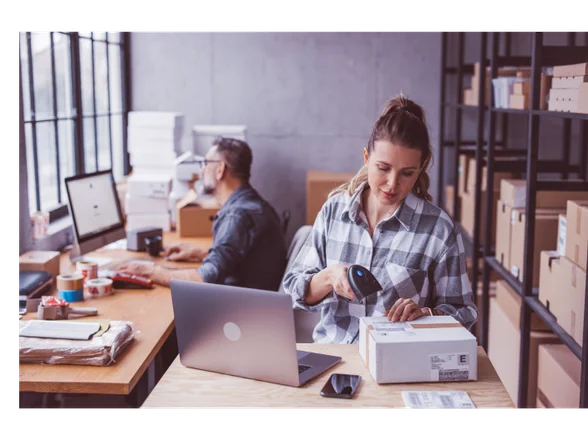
(529, 164)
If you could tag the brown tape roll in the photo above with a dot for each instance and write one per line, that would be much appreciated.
(70, 282)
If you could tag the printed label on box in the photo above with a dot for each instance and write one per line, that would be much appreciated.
(450, 367)
(437, 400)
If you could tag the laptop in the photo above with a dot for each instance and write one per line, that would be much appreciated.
(242, 332)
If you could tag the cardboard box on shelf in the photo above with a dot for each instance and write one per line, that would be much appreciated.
(462, 172)
(504, 352)
(318, 186)
(195, 217)
(559, 376)
(551, 285)
(568, 82)
(514, 193)
(570, 70)
(467, 215)
(564, 94)
(498, 176)
(583, 98)
(522, 88)
(491, 294)
(563, 106)
(432, 349)
(518, 102)
(576, 239)
(468, 97)
(503, 233)
(574, 283)
(546, 224)
(511, 303)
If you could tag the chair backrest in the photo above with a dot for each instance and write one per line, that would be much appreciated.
(304, 321)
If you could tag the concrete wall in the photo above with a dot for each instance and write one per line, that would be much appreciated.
(309, 100)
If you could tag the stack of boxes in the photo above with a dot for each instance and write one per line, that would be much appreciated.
(154, 140)
(521, 93)
(470, 95)
(569, 92)
(560, 222)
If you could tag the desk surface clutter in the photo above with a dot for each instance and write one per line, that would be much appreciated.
(150, 311)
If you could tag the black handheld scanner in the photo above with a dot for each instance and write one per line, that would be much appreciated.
(362, 281)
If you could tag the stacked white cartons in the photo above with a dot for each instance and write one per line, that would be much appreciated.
(154, 142)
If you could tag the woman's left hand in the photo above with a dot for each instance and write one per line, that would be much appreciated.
(405, 310)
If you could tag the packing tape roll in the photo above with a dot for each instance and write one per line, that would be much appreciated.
(70, 282)
(99, 287)
(74, 295)
(88, 269)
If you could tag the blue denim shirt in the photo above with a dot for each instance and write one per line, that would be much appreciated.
(248, 247)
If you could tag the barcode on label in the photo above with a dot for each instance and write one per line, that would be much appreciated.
(447, 402)
(453, 375)
(414, 399)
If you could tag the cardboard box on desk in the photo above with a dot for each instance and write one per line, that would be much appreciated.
(559, 375)
(430, 349)
(318, 186)
(195, 217)
(40, 261)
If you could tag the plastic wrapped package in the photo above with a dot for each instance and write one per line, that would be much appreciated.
(98, 351)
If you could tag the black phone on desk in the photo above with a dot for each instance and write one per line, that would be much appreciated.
(341, 386)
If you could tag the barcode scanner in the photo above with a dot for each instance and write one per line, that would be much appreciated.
(362, 281)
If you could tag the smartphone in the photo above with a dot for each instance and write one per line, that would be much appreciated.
(341, 386)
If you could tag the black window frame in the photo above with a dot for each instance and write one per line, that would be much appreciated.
(77, 114)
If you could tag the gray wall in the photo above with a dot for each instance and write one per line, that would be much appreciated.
(308, 99)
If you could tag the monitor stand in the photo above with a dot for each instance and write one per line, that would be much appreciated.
(75, 256)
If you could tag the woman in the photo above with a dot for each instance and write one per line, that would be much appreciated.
(383, 220)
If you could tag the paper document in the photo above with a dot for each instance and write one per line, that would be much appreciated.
(437, 400)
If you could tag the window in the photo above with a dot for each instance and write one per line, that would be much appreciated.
(75, 110)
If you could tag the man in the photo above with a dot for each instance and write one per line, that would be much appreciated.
(248, 247)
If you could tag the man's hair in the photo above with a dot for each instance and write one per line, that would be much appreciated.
(237, 156)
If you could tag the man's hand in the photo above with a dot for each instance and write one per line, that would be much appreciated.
(144, 269)
(182, 251)
(405, 310)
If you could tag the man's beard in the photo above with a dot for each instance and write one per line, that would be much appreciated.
(208, 189)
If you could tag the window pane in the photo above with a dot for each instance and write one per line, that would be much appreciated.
(101, 71)
(66, 154)
(85, 34)
(30, 168)
(43, 78)
(24, 69)
(99, 35)
(89, 146)
(117, 147)
(47, 165)
(114, 37)
(103, 144)
(115, 78)
(63, 74)
(87, 86)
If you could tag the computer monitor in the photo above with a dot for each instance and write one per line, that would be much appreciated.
(95, 211)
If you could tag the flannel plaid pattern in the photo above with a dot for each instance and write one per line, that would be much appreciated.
(415, 253)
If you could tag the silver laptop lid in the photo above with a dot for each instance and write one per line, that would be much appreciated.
(237, 331)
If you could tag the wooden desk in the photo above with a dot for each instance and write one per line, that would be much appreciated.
(185, 387)
(152, 315)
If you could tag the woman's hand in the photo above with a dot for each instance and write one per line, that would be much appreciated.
(339, 280)
(405, 310)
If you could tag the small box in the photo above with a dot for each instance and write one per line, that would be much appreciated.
(503, 233)
(569, 82)
(570, 70)
(429, 349)
(550, 284)
(559, 376)
(149, 185)
(576, 241)
(41, 261)
(498, 176)
(518, 102)
(563, 106)
(546, 224)
(522, 88)
(144, 204)
(318, 186)
(573, 293)
(564, 94)
(195, 217)
(155, 220)
(152, 119)
(514, 193)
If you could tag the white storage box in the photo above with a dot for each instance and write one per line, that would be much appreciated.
(154, 146)
(149, 185)
(503, 88)
(429, 349)
(157, 119)
(156, 220)
(148, 158)
(143, 205)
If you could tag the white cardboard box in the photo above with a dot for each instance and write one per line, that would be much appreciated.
(429, 349)
(149, 185)
(156, 220)
(157, 119)
(152, 159)
(154, 146)
(143, 205)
